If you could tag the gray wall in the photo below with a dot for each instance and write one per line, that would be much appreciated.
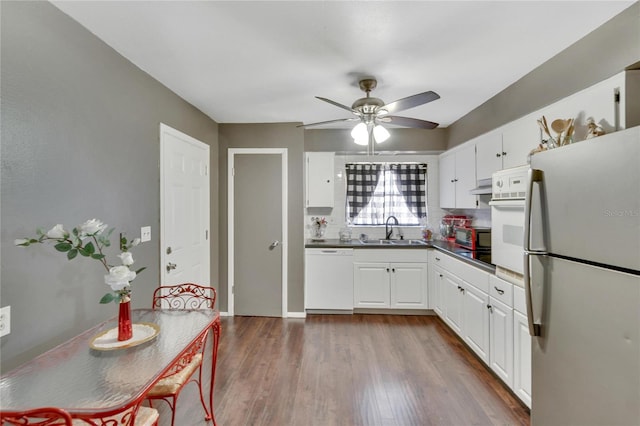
(603, 53)
(406, 140)
(80, 139)
(280, 135)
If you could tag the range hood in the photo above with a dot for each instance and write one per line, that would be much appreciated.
(484, 187)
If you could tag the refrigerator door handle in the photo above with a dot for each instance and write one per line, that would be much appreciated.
(533, 175)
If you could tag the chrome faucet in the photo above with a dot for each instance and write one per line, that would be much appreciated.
(389, 229)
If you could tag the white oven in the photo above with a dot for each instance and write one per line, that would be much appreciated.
(507, 222)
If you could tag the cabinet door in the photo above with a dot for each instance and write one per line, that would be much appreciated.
(501, 340)
(476, 321)
(320, 179)
(452, 302)
(447, 174)
(436, 284)
(521, 358)
(371, 285)
(465, 177)
(408, 285)
(518, 139)
(488, 154)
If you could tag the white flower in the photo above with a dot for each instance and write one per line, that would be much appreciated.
(21, 242)
(91, 227)
(126, 258)
(119, 277)
(57, 232)
(135, 242)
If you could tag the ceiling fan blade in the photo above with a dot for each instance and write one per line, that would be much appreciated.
(409, 122)
(328, 122)
(411, 101)
(337, 104)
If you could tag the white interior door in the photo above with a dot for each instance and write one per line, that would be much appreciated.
(184, 211)
(257, 232)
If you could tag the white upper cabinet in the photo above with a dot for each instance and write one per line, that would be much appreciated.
(518, 139)
(458, 177)
(320, 184)
(488, 154)
(612, 103)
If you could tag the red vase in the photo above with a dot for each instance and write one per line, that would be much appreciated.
(125, 329)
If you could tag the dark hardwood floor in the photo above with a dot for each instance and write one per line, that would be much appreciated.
(349, 370)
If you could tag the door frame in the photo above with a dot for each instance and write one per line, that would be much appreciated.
(207, 205)
(232, 152)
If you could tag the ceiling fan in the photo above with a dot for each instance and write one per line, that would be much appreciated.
(371, 112)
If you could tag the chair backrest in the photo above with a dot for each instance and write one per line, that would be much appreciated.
(184, 296)
(46, 416)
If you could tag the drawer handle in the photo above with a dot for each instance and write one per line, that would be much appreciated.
(490, 308)
(387, 269)
(500, 292)
(441, 275)
(438, 259)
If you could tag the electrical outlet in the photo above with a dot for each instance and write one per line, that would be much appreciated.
(5, 320)
(145, 234)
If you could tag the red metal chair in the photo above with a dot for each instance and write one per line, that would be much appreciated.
(46, 416)
(168, 388)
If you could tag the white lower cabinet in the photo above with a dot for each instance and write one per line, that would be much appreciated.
(488, 314)
(521, 349)
(461, 300)
(371, 285)
(501, 340)
(400, 282)
(476, 321)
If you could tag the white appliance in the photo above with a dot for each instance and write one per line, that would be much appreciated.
(507, 222)
(328, 279)
(582, 253)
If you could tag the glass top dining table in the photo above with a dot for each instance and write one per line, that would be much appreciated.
(83, 380)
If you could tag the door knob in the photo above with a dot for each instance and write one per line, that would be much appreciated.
(171, 266)
(274, 244)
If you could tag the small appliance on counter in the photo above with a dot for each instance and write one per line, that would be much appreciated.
(448, 224)
(473, 238)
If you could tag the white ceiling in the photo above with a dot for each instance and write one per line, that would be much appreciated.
(264, 61)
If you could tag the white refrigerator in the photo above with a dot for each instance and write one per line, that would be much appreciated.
(582, 253)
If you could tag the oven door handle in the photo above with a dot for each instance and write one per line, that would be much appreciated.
(533, 176)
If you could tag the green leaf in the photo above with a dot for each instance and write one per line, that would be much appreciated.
(40, 231)
(72, 254)
(75, 231)
(90, 249)
(63, 247)
(83, 252)
(108, 298)
(33, 241)
(97, 256)
(140, 270)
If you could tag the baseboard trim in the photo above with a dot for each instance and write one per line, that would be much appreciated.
(296, 314)
(224, 314)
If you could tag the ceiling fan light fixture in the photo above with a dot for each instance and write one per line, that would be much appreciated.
(360, 134)
(380, 134)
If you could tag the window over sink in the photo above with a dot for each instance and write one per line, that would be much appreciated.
(376, 191)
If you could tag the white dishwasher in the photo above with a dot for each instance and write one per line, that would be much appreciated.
(328, 279)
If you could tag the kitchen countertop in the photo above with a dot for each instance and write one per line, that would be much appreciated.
(477, 259)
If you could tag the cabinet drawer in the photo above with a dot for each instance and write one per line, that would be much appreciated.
(390, 255)
(501, 290)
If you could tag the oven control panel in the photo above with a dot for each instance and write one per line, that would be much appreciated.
(510, 184)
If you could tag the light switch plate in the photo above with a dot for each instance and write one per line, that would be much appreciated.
(5, 320)
(145, 234)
